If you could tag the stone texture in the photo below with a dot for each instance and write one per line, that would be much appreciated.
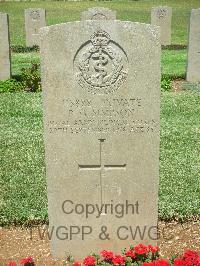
(5, 67)
(193, 64)
(162, 16)
(35, 19)
(101, 122)
(98, 13)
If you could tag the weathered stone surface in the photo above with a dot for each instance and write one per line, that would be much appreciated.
(98, 13)
(5, 67)
(35, 19)
(101, 92)
(193, 64)
(162, 16)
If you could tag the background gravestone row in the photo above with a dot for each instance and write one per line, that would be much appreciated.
(160, 16)
(5, 68)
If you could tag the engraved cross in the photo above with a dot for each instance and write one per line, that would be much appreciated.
(101, 167)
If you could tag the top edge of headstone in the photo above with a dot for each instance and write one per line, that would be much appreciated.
(99, 8)
(157, 7)
(126, 24)
(90, 13)
(195, 10)
(34, 8)
(2, 13)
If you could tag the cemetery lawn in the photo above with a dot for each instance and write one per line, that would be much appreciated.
(60, 12)
(23, 60)
(23, 197)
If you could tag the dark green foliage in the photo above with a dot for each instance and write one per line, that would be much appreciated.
(31, 78)
(174, 47)
(24, 49)
(10, 85)
(165, 83)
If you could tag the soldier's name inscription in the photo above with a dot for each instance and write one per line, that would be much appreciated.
(117, 115)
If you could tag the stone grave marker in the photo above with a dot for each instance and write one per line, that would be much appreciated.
(98, 13)
(193, 61)
(162, 16)
(35, 18)
(101, 123)
(5, 66)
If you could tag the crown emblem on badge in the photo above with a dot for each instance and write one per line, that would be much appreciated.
(100, 38)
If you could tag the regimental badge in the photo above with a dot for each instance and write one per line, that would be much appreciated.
(161, 13)
(100, 65)
(35, 14)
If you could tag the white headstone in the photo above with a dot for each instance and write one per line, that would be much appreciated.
(35, 19)
(5, 66)
(193, 64)
(101, 133)
(162, 16)
(98, 13)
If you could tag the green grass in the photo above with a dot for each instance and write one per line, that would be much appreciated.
(59, 11)
(23, 60)
(173, 62)
(179, 155)
(22, 182)
(22, 176)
